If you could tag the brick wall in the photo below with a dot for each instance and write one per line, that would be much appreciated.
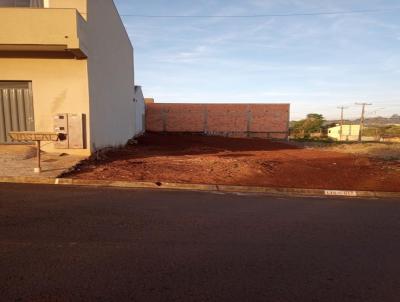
(239, 120)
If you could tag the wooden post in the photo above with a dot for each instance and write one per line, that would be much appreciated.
(341, 122)
(38, 169)
(341, 125)
(362, 120)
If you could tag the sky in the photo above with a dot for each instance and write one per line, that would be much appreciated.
(315, 62)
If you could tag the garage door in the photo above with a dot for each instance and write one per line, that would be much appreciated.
(16, 109)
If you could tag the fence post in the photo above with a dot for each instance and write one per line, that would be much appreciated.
(249, 120)
(164, 119)
(205, 119)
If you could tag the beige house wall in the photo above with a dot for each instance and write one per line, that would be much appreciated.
(100, 86)
(27, 29)
(80, 5)
(58, 86)
(111, 77)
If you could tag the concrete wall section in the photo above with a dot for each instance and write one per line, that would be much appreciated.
(111, 77)
(239, 120)
(139, 111)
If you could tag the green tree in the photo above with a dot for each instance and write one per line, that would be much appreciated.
(312, 123)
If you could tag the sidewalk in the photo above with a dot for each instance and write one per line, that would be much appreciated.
(20, 160)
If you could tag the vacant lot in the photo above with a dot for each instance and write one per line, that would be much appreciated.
(218, 160)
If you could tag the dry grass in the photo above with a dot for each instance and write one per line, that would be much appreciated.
(386, 151)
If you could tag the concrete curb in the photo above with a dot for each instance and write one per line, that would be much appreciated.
(199, 187)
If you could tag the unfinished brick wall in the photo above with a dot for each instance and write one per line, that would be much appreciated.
(238, 120)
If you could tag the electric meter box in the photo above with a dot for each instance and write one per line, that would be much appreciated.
(75, 131)
(71, 127)
(61, 127)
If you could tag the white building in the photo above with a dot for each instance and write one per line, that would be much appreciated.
(349, 132)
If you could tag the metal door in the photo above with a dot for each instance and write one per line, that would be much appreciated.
(16, 109)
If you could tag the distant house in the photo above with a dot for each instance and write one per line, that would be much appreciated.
(67, 66)
(349, 132)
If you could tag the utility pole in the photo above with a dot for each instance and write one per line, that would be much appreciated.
(341, 121)
(362, 120)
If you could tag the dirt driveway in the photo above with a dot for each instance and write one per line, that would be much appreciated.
(217, 160)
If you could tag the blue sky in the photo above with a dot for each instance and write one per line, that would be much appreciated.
(313, 62)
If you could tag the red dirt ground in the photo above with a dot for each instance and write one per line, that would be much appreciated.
(234, 161)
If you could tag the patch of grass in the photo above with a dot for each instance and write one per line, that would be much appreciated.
(386, 151)
(314, 143)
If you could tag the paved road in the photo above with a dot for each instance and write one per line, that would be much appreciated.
(78, 244)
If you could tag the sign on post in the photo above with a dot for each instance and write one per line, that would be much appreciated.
(38, 137)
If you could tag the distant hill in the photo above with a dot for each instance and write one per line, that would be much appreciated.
(373, 121)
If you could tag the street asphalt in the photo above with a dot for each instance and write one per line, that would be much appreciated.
(96, 244)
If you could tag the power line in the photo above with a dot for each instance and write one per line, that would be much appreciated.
(363, 11)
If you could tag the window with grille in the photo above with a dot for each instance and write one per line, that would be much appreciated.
(21, 3)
